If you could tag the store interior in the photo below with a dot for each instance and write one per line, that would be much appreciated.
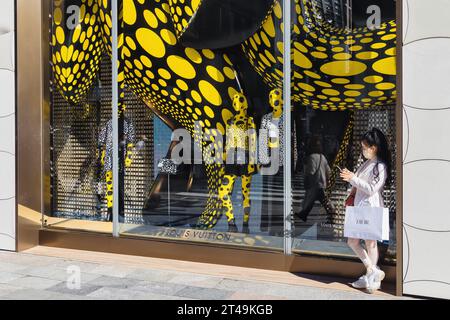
(179, 64)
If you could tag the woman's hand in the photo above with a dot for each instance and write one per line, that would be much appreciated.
(347, 175)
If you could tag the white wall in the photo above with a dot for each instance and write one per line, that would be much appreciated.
(7, 127)
(426, 147)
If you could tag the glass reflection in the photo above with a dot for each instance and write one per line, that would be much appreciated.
(343, 84)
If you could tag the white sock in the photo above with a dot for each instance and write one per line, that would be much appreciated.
(368, 264)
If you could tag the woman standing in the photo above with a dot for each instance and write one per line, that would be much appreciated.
(367, 188)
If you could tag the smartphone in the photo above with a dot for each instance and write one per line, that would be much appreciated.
(340, 169)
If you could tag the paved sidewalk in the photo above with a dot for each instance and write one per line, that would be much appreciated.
(52, 273)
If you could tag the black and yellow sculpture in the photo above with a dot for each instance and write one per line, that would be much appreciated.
(241, 160)
(333, 69)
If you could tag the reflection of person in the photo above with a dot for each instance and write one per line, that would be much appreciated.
(367, 187)
(105, 144)
(317, 172)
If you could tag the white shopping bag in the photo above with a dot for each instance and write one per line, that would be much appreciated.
(368, 223)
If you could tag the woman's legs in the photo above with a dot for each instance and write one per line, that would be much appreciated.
(361, 253)
(372, 251)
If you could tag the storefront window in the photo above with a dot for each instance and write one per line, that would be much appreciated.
(344, 84)
(214, 144)
(193, 65)
(80, 86)
(194, 115)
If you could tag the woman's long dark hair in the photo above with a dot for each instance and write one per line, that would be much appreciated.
(376, 137)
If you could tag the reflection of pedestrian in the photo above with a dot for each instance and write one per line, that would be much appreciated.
(317, 172)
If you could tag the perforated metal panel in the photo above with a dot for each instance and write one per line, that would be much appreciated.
(384, 119)
(78, 185)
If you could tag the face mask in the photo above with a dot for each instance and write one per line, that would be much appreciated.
(367, 154)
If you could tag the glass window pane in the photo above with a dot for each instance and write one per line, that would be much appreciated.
(80, 117)
(200, 81)
(344, 84)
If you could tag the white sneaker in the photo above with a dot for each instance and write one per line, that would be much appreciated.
(374, 279)
(361, 283)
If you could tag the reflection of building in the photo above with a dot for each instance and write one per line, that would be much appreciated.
(332, 11)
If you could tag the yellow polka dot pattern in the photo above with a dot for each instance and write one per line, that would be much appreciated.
(182, 12)
(181, 84)
(76, 53)
(332, 69)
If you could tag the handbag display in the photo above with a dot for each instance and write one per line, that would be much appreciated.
(168, 166)
(368, 223)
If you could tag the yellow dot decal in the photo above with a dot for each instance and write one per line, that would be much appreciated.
(330, 92)
(210, 93)
(229, 73)
(129, 12)
(215, 73)
(352, 93)
(385, 86)
(354, 86)
(208, 53)
(376, 93)
(181, 67)
(182, 85)
(388, 37)
(193, 55)
(342, 56)
(378, 45)
(343, 68)
(209, 112)
(151, 42)
(269, 27)
(301, 60)
(319, 55)
(391, 52)
(164, 73)
(340, 81)
(151, 19)
(146, 61)
(60, 35)
(196, 96)
(323, 84)
(195, 4)
(312, 74)
(161, 15)
(373, 79)
(367, 55)
(306, 86)
(385, 66)
(337, 49)
(168, 37)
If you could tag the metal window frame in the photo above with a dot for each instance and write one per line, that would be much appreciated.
(287, 127)
(115, 116)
